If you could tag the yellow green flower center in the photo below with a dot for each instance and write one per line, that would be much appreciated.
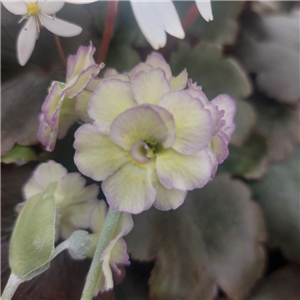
(33, 9)
(154, 147)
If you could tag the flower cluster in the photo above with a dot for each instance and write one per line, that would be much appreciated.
(152, 140)
(60, 108)
(74, 200)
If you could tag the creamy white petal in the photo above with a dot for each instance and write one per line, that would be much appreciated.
(26, 41)
(17, 8)
(204, 8)
(60, 27)
(50, 8)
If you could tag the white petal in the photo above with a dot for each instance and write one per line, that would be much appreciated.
(26, 41)
(17, 8)
(204, 8)
(149, 23)
(60, 27)
(50, 8)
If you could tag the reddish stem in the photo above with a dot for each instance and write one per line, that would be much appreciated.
(112, 11)
(60, 50)
(190, 17)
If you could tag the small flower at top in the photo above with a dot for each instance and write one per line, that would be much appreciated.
(61, 108)
(148, 143)
(74, 200)
(157, 18)
(115, 254)
(38, 13)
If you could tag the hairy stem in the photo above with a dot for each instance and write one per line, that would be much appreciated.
(60, 50)
(112, 11)
(95, 268)
(11, 287)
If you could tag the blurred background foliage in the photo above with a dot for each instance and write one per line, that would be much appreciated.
(237, 238)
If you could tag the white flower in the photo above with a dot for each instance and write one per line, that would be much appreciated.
(156, 18)
(38, 13)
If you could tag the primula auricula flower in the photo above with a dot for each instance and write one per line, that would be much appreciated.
(115, 254)
(156, 18)
(222, 109)
(148, 143)
(60, 108)
(39, 13)
(74, 200)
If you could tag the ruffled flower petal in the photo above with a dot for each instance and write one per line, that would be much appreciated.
(75, 216)
(98, 216)
(81, 61)
(60, 27)
(72, 190)
(167, 199)
(156, 60)
(43, 175)
(96, 155)
(179, 82)
(226, 104)
(110, 98)
(193, 123)
(183, 172)
(219, 147)
(140, 67)
(130, 189)
(26, 40)
(81, 106)
(149, 87)
(214, 162)
(141, 123)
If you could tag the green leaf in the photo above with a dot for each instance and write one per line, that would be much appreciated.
(224, 28)
(244, 120)
(19, 154)
(32, 241)
(282, 284)
(270, 49)
(249, 160)
(212, 240)
(278, 195)
(279, 123)
(216, 74)
(117, 53)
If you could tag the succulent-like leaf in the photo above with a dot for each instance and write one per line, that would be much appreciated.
(278, 195)
(244, 120)
(250, 160)
(279, 123)
(270, 48)
(206, 66)
(223, 29)
(19, 155)
(282, 284)
(32, 241)
(212, 240)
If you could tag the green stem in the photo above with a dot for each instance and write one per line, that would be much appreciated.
(95, 268)
(61, 247)
(11, 287)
